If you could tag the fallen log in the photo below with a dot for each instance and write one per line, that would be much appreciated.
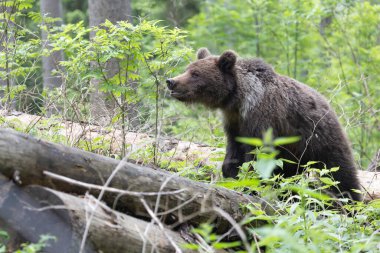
(25, 159)
(33, 211)
(370, 182)
(181, 150)
(375, 162)
(91, 135)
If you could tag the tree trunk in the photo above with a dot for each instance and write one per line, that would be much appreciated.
(52, 9)
(115, 10)
(102, 105)
(196, 202)
(45, 211)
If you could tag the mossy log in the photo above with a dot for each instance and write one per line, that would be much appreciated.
(33, 211)
(174, 199)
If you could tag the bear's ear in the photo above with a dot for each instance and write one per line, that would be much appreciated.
(203, 53)
(227, 61)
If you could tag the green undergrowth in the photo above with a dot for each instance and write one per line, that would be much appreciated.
(39, 246)
(306, 217)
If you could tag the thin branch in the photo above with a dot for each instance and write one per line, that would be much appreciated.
(108, 189)
(157, 221)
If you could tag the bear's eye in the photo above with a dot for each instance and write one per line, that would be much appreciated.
(194, 74)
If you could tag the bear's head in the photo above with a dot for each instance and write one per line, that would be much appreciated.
(209, 80)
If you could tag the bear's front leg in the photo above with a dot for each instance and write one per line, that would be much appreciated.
(235, 157)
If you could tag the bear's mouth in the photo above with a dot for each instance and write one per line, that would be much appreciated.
(179, 95)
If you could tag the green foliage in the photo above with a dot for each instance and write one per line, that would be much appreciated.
(3, 239)
(126, 62)
(26, 247)
(303, 222)
(300, 229)
(266, 152)
(36, 247)
(141, 53)
(305, 219)
(19, 54)
(210, 240)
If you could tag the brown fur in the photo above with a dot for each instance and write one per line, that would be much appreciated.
(254, 98)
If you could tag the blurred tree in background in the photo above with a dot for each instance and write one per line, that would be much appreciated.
(102, 104)
(75, 11)
(51, 12)
(172, 12)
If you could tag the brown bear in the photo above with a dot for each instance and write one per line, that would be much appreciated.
(253, 98)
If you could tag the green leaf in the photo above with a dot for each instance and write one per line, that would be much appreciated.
(310, 163)
(334, 169)
(288, 161)
(191, 246)
(35, 16)
(268, 136)
(328, 181)
(375, 203)
(250, 141)
(240, 183)
(4, 234)
(302, 190)
(357, 191)
(286, 140)
(226, 245)
(265, 167)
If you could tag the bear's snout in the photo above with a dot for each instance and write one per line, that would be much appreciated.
(171, 83)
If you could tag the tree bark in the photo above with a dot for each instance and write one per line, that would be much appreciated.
(45, 211)
(196, 202)
(102, 105)
(115, 10)
(26, 224)
(52, 9)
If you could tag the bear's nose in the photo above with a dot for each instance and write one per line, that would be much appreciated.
(171, 83)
